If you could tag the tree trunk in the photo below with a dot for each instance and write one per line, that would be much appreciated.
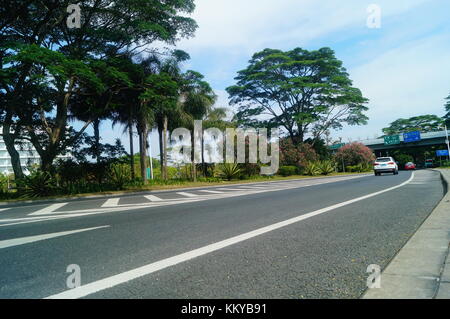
(161, 149)
(130, 132)
(143, 131)
(97, 152)
(9, 142)
(97, 140)
(194, 166)
(165, 147)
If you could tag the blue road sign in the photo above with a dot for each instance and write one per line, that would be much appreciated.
(411, 137)
(442, 153)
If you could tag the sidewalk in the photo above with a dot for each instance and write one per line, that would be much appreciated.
(421, 270)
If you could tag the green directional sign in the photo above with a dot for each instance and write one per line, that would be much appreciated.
(337, 146)
(392, 140)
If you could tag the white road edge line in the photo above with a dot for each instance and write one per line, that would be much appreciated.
(127, 276)
(31, 239)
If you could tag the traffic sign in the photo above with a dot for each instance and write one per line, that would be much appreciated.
(442, 153)
(392, 140)
(412, 137)
(337, 146)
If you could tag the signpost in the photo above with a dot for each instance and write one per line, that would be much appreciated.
(337, 146)
(442, 153)
(447, 141)
(392, 140)
(412, 137)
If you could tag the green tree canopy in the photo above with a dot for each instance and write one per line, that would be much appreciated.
(447, 109)
(302, 91)
(45, 65)
(423, 123)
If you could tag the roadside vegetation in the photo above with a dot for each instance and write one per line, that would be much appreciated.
(113, 69)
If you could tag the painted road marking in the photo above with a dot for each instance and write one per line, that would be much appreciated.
(113, 202)
(153, 198)
(187, 194)
(48, 210)
(3, 209)
(127, 276)
(231, 189)
(211, 192)
(31, 239)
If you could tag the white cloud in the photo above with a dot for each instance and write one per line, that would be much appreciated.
(410, 80)
(252, 24)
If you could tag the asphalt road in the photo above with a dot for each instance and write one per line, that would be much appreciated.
(292, 239)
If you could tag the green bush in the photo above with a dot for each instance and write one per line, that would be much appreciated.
(119, 175)
(37, 184)
(313, 169)
(327, 167)
(3, 184)
(287, 171)
(229, 171)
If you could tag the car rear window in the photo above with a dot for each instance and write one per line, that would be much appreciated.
(383, 159)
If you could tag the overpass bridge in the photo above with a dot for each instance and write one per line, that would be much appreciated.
(427, 139)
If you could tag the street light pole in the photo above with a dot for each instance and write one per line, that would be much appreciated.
(447, 141)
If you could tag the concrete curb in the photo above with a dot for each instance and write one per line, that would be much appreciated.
(130, 194)
(421, 270)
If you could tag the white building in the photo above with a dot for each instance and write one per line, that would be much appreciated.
(28, 157)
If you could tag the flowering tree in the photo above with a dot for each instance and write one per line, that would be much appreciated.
(296, 154)
(354, 154)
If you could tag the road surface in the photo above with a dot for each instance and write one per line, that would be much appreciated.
(310, 238)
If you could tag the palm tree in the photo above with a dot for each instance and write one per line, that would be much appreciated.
(198, 101)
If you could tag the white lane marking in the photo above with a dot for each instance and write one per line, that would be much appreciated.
(153, 198)
(113, 202)
(253, 187)
(131, 207)
(3, 209)
(211, 192)
(231, 189)
(31, 239)
(48, 210)
(190, 195)
(127, 276)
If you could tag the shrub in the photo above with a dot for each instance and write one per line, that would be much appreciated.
(354, 154)
(327, 167)
(313, 169)
(287, 170)
(119, 175)
(37, 184)
(3, 184)
(296, 154)
(229, 171)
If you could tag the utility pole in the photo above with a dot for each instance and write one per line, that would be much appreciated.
(447, 141)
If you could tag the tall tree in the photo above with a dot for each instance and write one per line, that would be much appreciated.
(447, 109)
(299, 90)
(198, 101)
(423, 123)
(33, 31)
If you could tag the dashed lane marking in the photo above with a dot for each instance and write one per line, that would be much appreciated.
(153, 198)
(48, 210)
(31, 239)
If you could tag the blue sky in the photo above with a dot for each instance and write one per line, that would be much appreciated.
(403, 67)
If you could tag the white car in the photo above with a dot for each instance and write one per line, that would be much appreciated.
(385, 165)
